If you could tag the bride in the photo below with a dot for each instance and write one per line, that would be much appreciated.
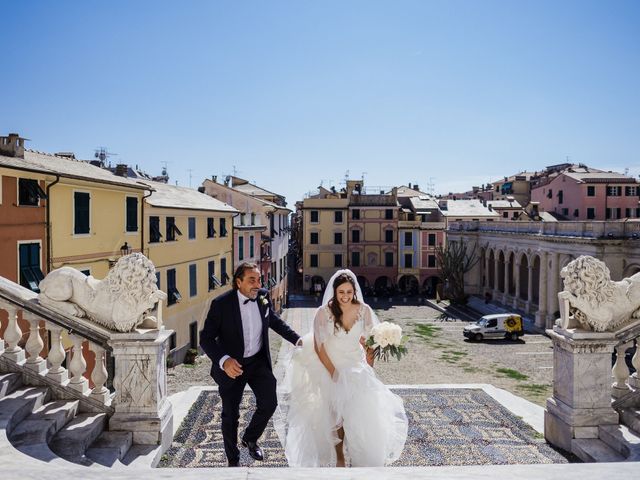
(332, 409)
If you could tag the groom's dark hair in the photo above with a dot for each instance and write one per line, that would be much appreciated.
(239, 273)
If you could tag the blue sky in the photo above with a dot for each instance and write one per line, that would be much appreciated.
(295, 93)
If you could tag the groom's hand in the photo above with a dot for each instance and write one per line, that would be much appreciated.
(232, 368)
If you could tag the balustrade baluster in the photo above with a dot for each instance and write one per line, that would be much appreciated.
(34, 344)
(56, 355)
(78, 366)
(620, 372)
(634, 380)
(12, 336)
(99, 375)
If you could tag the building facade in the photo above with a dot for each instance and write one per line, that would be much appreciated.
(261, 230)
(60, 211)
(189, 238)
(582, 193)
(519, 263)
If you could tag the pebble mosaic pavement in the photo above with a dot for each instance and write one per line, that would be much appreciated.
(446, 427)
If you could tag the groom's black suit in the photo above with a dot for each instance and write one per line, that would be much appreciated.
(223, 335)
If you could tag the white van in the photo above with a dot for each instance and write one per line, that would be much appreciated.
(500, 325)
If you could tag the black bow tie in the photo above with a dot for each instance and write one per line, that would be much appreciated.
(249, 300)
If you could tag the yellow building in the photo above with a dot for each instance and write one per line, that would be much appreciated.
(325, 238)
(92, 217)
(188, 236)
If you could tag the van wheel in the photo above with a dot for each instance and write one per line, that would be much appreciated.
(513, 336)
(477, 337)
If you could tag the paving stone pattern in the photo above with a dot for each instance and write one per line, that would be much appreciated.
(446, 427)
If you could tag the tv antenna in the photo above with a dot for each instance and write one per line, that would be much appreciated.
(102, 154)
(190, 170)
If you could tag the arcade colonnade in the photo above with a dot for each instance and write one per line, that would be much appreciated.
(521, 270)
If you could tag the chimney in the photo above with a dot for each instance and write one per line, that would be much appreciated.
(214, 178)
(12, 145)
(415, 187)
(122, 170)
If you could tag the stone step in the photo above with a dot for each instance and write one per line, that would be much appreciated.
(19, 404)
(110, 447)
(75, 437)
(622, 440)
(143, 456)
(631, 418)
(594, 450)
(41, 425)
(9, 382)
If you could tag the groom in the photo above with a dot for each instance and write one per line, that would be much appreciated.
(236, 339)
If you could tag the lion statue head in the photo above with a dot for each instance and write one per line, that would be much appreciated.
(594, 300)
(132, 278)
(588, 278)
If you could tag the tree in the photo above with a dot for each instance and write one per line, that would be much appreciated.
(454, 261)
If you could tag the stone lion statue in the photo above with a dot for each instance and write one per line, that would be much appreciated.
(595, 302)
(119, 302)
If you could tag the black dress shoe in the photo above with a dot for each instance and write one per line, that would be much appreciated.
(254, 450)
(234, 463)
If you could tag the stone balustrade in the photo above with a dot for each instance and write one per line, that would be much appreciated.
(126, 377)
(587, 390)
(591, 229)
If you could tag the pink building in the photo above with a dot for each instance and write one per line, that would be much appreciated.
(583, 193)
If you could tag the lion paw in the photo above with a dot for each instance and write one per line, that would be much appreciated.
(149, 322)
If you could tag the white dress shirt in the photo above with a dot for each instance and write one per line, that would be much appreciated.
(251, 328)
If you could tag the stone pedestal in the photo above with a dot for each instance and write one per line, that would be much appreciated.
(581, 386)
(140, 383)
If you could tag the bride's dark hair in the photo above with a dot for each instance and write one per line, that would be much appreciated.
(334, 305)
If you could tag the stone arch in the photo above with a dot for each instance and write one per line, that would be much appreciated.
(364, 285)
(501, 267)
(409, 284)
(382, 285)
(510, 276)
(317, 284)
(430, 286)
(630, 270)
(523, 273)
(491, 274)
(535, 280)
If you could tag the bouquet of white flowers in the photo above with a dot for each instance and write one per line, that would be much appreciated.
(386, 339)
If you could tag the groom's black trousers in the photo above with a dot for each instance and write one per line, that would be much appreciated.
(256, 372)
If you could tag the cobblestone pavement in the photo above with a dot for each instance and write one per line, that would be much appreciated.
(438, 354)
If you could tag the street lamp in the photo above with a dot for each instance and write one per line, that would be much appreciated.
(125, 249)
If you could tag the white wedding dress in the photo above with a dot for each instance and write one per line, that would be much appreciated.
(312, 405)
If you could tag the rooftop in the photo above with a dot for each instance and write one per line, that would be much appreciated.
(171, 196)
(67, 167)
(467, 208)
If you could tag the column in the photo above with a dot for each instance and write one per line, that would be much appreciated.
(507, 265)
(541, 315)
(496, 283)
(529, 303)
(485, 274)
(553, 289)
(516, 275)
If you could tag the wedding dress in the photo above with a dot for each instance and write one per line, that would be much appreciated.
(313, 406)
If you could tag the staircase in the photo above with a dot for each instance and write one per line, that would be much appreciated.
(56, 431)
(67, 416)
